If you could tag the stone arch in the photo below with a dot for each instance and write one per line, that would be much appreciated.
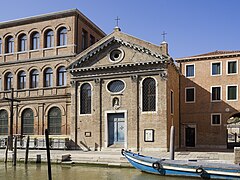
(54, 105)
(35, 112)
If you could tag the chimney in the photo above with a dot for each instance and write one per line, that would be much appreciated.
(164, 48)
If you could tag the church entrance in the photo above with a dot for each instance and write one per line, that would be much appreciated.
(116, 129)
(190, 136)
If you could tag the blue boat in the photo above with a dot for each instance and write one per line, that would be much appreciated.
(183, 168)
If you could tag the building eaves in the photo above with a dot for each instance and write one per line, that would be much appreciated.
(48, 16)
(210, 55)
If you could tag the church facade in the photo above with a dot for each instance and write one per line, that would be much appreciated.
(125, 94)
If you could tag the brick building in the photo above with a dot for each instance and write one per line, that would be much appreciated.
(125, 94)
(34, 54)
(209, 98)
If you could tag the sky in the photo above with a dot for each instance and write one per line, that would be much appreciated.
(192, 26)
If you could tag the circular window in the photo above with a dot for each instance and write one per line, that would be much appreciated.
(116, 55)
(116, 86)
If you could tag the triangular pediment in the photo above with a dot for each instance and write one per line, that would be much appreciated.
(135, 52)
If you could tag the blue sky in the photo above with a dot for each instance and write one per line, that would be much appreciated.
(192, 26)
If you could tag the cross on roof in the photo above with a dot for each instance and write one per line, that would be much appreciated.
(117, 19)
(164, 35)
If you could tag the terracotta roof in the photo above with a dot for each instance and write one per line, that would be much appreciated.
(210, 54)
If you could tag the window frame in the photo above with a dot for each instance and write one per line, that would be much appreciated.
(84, 42)
(194, 70)
(49, 39)
(236, 92)
(211, 90)
(27, 124)
(1, 48)
(172, 102)
(49, 77)
(63, 74)
(156, 96)
(4, 127)
(80, 100)
(22, 43)
(220, 121)
(54, 123)
(36, 77)
(228, 65)
(35, 41)
(8, 85)
(220, 62)
(9, 46)
(194, 90)
(22, 80)
(62, 36)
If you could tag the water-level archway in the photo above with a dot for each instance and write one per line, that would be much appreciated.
(233, 131)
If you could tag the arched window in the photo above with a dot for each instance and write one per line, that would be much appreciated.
(49, 39)
(8, 81)
(86, 98)
(0, 46)
(48, 77)
(3, 122)
(27, 122)
(62, 76)
(21, 80)
(34, 78)
(149, 95)
(55, 121)
(22, 43)
(9, 44)
(35, 41)
(62, 36)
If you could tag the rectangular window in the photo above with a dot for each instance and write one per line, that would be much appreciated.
(216, 93)
(216, 68)
(190, 70)
(232, 92)
(215, 119)
(92, 39)
(172, 102)
(84, 39)
(232, 67)
(190, 94)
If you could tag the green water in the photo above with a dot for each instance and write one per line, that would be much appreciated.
(65, 172)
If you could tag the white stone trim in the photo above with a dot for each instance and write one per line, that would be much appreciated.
(212, 119)
(220, 93)
(220, 68)
(186, 95)
(236, 92)
(227, 67)
(186, 70)
(106, 126)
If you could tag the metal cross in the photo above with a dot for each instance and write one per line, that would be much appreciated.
(117, 19)
(164, 35)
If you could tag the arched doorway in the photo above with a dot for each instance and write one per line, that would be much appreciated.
(233, 131)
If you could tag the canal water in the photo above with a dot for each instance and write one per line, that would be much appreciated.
(66, 172)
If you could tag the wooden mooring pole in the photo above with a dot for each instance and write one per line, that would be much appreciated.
(6, 153)
(27, 150)
(15, 151)
(48, 155)
(172, 143)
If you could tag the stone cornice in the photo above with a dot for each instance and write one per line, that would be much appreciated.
(111, 40)
(84, 69)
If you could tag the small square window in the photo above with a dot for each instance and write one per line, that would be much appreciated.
(232, 93)
(190, 70)
(216, 119)
(216, 94)
(232, 67)
(216, 69)
(190, 94)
